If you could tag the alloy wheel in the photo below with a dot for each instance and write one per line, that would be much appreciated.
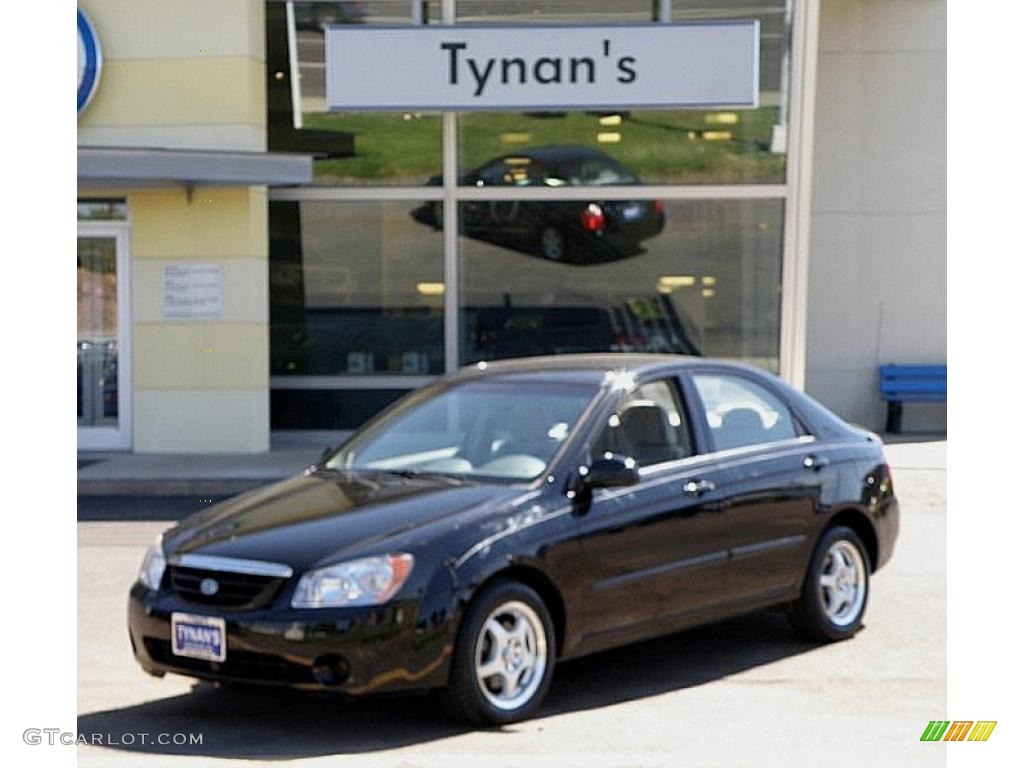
(842, 583)
(552, 244)
(511, 655)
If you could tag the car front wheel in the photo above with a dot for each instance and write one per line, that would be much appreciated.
(835, 592)
(504, 656)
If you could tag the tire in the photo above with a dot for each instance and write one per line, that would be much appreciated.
(516, 688)
(553, 245)
(827, 613)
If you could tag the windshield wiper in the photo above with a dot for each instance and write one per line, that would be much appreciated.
(409, 473)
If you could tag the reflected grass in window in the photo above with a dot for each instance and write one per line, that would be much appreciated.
(671, 147)
(397, 148)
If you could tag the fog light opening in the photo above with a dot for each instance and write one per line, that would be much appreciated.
(330, 669)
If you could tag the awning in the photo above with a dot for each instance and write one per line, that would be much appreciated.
(131, 167)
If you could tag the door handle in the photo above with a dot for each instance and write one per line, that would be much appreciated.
(815, 463)
(698, 487)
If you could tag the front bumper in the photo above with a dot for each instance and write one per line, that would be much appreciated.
(351, 650)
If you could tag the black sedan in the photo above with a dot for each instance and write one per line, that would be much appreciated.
(570, 231)
(522, 512)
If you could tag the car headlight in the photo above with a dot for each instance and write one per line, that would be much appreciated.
(368, 581)
(151, 572)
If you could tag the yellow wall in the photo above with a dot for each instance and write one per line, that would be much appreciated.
(182, 74)
(189, 74)
(201, 385)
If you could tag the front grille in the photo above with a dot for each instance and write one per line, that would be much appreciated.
(241, 665)
(234, 590)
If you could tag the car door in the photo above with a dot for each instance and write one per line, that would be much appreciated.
(775, 476)
(655, 551)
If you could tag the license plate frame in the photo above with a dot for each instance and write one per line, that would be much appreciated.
(189, 640)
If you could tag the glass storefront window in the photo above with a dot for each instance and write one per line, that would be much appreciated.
(328, 409)
(97, 331)
(404, 148)
(368, 148)
(725, 146)
(102, 209)
(554, 11)
(687, 277)
(356, 289)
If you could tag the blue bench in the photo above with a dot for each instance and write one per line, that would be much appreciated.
(901, 384)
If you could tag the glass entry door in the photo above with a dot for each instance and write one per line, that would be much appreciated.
(103, 413)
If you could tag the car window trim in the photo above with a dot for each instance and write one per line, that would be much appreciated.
(727, 463)
(739, 453)
(670, 471)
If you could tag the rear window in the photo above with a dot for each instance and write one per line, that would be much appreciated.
(740, 412)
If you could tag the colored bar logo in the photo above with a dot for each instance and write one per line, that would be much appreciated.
(958, 730)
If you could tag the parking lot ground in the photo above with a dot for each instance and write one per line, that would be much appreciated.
(746, 692)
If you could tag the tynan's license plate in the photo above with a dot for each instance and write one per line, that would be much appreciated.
(198, 637)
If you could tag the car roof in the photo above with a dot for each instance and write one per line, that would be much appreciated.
(586, 367)
(599, 369)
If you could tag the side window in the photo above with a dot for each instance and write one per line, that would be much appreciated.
(649, 425)
(495, 174)
(741, 412)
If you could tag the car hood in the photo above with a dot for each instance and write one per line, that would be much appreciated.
(321, 518)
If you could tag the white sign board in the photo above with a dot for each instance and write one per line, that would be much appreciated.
(707, 64)
(193, 291)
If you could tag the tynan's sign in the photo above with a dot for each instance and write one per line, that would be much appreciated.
(707, 64)
(90, 61)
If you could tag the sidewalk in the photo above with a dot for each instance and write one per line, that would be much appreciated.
(225, 474)
(199, 474)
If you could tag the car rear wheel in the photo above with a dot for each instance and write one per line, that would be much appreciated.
(835, 592)
(552, 244)
(504, 656)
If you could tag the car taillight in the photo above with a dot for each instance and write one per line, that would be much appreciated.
(659, 206)
(592, 218)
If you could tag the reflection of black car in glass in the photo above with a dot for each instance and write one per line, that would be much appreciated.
(572, 231)
(519, 513)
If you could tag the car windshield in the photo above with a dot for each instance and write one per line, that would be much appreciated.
(508, 430)
(601, 172)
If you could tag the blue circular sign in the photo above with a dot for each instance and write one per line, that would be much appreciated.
(90, 60)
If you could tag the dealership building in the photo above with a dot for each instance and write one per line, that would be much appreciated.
(288, 218)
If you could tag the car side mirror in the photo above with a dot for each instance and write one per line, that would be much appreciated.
(612, 472)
